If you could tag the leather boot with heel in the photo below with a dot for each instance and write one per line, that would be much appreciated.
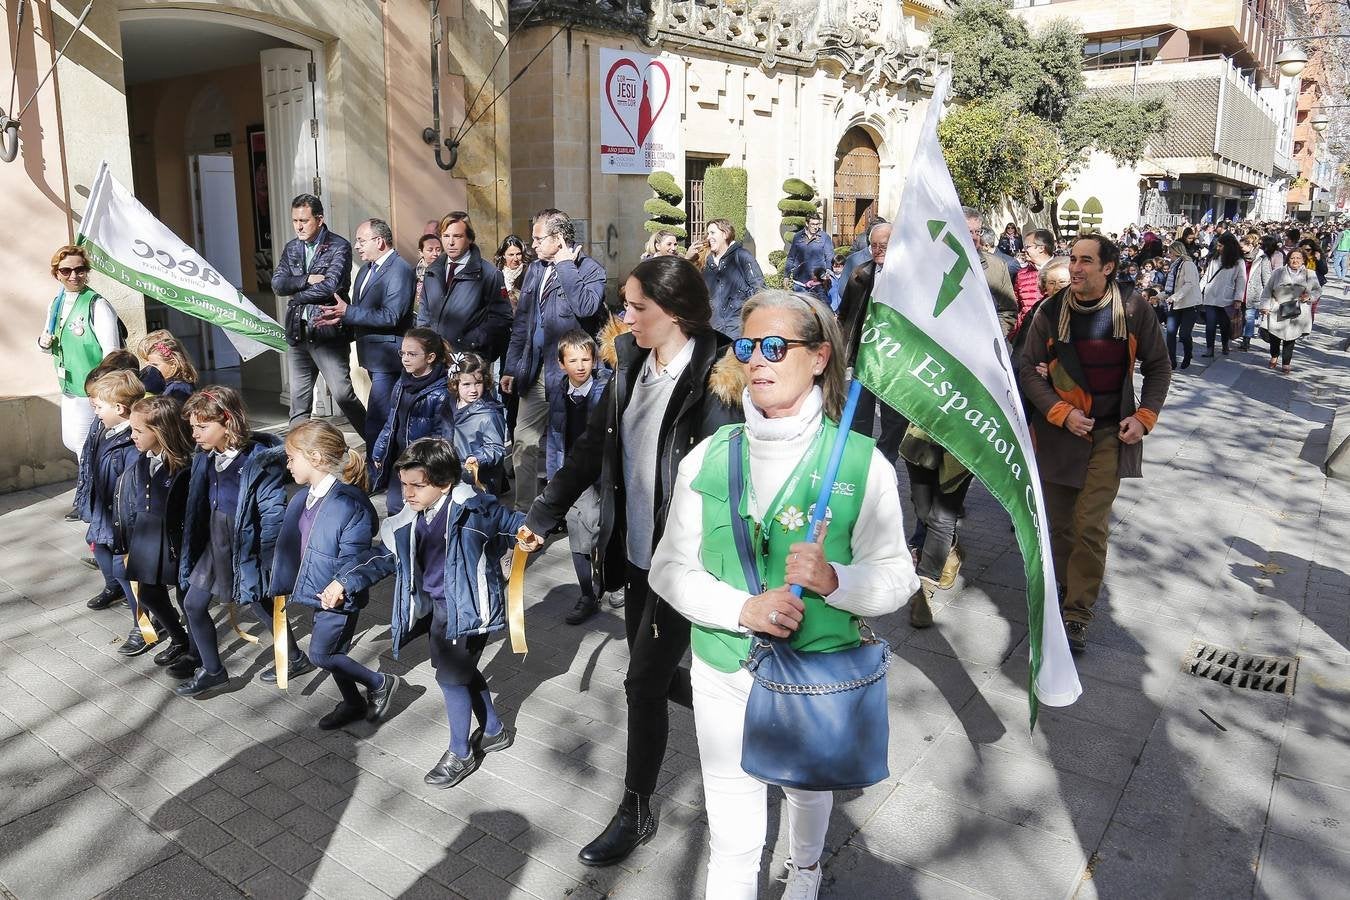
(633, 825)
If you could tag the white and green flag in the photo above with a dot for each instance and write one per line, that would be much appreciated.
(128, 244)
(932, 348)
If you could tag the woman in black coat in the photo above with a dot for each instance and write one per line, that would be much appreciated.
(675, 383)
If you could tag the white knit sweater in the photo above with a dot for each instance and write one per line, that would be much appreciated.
(878, 580)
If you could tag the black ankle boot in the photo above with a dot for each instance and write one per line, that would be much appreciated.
(633, 825)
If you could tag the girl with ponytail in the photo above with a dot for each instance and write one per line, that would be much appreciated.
(329, 524)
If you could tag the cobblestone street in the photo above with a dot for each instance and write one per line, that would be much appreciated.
(1154, 783)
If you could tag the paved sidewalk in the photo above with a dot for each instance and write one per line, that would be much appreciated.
(1155, 783)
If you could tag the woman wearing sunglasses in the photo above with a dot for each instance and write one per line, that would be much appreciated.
(858, 567)
(81, 329)
(675, 383)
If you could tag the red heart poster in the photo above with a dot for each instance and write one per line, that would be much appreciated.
(639, 112)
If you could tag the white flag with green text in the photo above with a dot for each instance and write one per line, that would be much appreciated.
(932, 348)
(131, 246)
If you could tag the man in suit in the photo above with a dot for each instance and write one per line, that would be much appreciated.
(380, 311)
(314, 268)
(564, 289)
(463, 295)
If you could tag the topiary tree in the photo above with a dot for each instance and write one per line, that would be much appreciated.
(665, 214)
(725, 192)
(777, 259)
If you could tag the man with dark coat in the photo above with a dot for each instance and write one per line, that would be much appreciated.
(463, 295)
(811, 249)
(380, 311)
(314, 269)
(564, 289)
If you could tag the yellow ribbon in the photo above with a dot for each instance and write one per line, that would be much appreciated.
(148, 633)
(280, 650)
(473, 470)
(515, 601)
(234, 623)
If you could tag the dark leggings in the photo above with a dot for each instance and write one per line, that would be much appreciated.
(462, 685)
(197, 606)
(1284, 350)
(1217, 318)
(1181, 322)
(658, 636)
(154, 599)
(114, 569)
(328, 645)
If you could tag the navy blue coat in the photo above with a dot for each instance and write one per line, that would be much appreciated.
(332, 259)
(479, 531)
(257, 520)
(479, 430)
(430, 415)
(731, 281)
(101, 464)
(554, 449)
(474, 315)
(804, 256)
(341, 536)
(573, 298)
(381, 311)
(149, 526)
(178, 389)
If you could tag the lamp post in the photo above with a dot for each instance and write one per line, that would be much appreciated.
(1319, 121)
(1293, 60)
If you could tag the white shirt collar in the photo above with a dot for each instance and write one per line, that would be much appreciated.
(383, 259)
(118, 428)
(673, 368)
(430, 512)
(582, 390)
(319, 491)
(156, 461)
(223, 458)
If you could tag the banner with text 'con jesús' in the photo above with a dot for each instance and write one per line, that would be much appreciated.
(932, 349)
(129, 245)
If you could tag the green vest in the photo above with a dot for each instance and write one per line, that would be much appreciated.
(75, 354)
(824, 628)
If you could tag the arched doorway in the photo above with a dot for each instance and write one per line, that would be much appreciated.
(857, 184)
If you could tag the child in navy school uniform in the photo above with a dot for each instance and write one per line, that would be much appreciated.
(568, 411)
(236, 501)
(169, 358)
(445, 547)
(478, 428)
(416, 408)
(108, 453)
(329, 526)
(151, 501)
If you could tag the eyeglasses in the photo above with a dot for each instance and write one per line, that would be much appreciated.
(67, 271)
(773, 347)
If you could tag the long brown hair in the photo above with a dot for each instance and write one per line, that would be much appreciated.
(315, 436)
(164, 419)
(218, 403)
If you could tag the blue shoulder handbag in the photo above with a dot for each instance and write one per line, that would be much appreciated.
(814, 721)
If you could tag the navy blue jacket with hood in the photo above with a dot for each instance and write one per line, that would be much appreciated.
(103, 461)
(340, 537)
(428, 416)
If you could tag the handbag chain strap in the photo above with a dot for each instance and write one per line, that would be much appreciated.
(853, 684)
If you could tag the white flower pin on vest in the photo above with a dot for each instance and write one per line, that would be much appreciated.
(792, 519)
(77, 327)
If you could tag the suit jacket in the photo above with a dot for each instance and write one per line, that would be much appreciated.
(332, 259)
(472, 312)
(381, 310)
(573, 298)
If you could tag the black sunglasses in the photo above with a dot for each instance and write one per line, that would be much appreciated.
(67, 271)
(773, 347)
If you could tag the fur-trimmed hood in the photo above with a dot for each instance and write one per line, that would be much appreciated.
(726, 381)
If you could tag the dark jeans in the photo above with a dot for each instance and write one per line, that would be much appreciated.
(377, 406)
(893, 424)
(1182, 322)
(328, 645)
(1284, 350)
(332, 360)
(658, 636)
(197, 606)
(938, 512)
(1217, 318)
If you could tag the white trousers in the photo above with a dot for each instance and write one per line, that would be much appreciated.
(77, 414)
(738, 804)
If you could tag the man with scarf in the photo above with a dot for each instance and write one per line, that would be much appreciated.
(1087, 425)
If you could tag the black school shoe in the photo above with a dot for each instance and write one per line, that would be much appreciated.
(105, 598)
(72, 515)
(294, 670)
(379, 698)
(585, 608)
(202, 682)
(135, 644)
(184, 666)
(343, 714)
(499, 741)
(170, 654)
(451, 770)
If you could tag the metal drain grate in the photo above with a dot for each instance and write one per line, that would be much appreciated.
(1268, 674)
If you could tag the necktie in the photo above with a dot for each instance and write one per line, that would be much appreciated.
(370, 273)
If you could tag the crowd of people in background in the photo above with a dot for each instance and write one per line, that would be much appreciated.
(508, 402)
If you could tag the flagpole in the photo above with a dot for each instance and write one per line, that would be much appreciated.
(832, 467)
